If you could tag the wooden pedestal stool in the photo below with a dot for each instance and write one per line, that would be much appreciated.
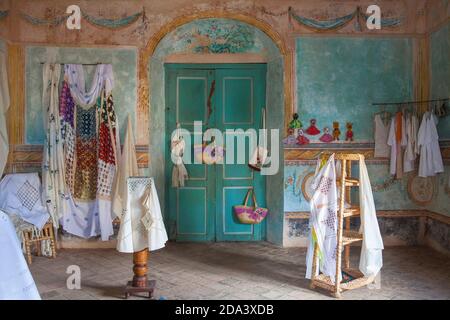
(45, 234)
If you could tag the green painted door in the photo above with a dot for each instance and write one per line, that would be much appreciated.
(223, 97)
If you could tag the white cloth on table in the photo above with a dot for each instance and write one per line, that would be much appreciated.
(371, 259)
(128, 167)
(4, 106)
(20, 194)
(428, 141)
(16, 281)
(381, 137)
(323, 221)
(53, 166)
(142, 225)
(410, 155)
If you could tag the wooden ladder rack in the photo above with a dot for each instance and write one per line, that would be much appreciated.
(345, 236)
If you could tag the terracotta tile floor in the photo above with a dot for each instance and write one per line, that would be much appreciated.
(236, 271)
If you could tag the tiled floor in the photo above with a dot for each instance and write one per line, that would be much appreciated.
(236, 271)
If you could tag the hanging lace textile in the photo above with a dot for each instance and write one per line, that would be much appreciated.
(323, 221)
(142, 225)
(91, 145)
(53, 168)
(4, 105)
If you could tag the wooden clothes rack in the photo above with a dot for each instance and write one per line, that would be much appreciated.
(345, 236)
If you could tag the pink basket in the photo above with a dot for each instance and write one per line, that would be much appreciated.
(250, 215)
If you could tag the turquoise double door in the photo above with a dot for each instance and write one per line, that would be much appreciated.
(224, 96)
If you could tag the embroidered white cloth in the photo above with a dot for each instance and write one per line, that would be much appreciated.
(53, 166)
(4, 106)
(128, 167)
(371, 259)
(142, 225)
(428, 141)
(16, 281)
(323, 220)
(20, 194)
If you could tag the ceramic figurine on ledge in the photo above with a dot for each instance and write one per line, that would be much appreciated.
(291, 138)
(302, 139)
(349, 133)
(312, 130)
(336, 131)
(295, 124)
(326, 137)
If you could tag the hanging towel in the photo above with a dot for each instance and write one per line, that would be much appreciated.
(128, 167)
(142, 224)
(16, 281)
(323, 220)
(4, 106)
(371, 260)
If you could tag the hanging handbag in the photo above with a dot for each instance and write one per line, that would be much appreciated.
(250, 215)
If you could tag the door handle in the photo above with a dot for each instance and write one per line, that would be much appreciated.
(208, 103)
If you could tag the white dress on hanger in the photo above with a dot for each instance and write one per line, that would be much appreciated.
(428, 141)
(381, 137)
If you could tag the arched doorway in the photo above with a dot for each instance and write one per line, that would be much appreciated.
(190, 37)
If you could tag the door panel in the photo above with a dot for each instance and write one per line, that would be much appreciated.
(203, 209)
(240, 96)
(192, 207)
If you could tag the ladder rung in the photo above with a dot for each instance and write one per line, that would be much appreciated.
(351, 212)
(349, 236)
(349, 182)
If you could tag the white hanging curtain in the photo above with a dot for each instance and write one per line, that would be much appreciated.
(103, 78)
(53, 167)
(4, 105)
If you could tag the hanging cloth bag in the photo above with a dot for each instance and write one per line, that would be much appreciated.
(250, 215)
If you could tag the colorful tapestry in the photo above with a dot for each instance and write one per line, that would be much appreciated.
(89, 132)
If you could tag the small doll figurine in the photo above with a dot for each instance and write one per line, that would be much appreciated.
(295, 124)
(349, 133)
(326, 137)
(312, 130)
(336, 131)
(302, 139)
(291, 138)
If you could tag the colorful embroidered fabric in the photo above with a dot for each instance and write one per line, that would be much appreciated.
(66, 111)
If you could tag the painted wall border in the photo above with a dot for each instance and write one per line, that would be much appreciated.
(143, 108)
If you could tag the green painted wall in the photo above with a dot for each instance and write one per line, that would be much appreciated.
(124, 63)
(440, 73)
(339, 78)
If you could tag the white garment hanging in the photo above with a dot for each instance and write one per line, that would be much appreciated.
(103, 78)
(179, 172)
(4, 106)
(20, 194)
(392, 142)
(409, 157)
(381, 138)
(142, 224)
(128, 167)
(16, 281)
(323, 220)
(428, 140)
(53, 166)
(371, 259)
